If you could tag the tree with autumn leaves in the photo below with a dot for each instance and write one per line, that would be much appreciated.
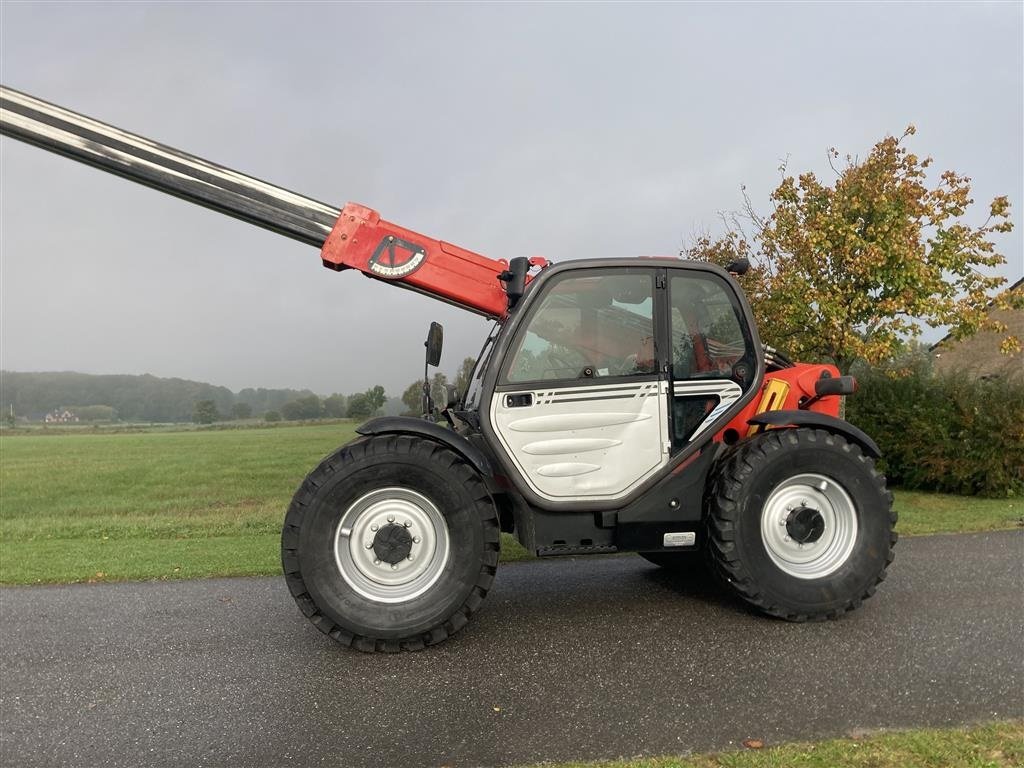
(852, 270)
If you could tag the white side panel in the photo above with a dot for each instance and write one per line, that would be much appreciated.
(593, 442)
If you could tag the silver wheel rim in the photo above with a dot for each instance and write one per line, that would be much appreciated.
(838, 514)
(381, 581)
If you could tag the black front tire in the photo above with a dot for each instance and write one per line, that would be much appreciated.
(411, 481)
(749, 554)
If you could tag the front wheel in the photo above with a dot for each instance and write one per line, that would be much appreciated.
(800, 524)
(390, 544)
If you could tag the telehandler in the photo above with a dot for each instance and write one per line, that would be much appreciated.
(621, 405)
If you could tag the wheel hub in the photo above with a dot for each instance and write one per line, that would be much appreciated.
(805, 525)
(809, 526)
(392, 544)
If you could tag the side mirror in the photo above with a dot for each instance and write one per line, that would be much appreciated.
(434, 343)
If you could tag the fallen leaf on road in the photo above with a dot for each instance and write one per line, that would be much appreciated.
(753, 744)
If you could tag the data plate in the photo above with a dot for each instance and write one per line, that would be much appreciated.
(679, 539)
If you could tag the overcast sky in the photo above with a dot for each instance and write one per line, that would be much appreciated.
(563, 130)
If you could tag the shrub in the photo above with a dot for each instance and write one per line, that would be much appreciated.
(272, 416)
(205, 412)
(947, 433)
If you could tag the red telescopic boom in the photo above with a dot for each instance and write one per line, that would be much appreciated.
(352, 238)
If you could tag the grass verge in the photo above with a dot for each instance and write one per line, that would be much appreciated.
(158, 505)
(999, 745)
(922, 513)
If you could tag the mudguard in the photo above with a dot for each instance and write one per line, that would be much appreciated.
(407, 425)
(821, 420)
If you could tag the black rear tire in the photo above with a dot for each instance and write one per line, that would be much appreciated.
(383, 490)
(788, 548)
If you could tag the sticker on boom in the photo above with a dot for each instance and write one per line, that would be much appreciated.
(395, 258)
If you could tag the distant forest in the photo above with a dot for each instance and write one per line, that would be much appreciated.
(133, 398)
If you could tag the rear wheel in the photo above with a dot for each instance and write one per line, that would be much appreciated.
(800, 524)
(390, 544)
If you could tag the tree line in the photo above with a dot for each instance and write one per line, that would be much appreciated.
(306, 408)
(130, 398)
(147, 398)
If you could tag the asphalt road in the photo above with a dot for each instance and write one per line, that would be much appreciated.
(588, 658)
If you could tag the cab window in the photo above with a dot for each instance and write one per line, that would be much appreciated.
(588, 325)
(710, 343)
(708, 338)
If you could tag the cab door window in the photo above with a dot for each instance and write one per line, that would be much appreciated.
(710, 343)
(593, 324)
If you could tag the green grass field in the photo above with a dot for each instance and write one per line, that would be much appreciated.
(999, 745)
(143, 505)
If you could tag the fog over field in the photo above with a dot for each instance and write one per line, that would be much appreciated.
(568, 131)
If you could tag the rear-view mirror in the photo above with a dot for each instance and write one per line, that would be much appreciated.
(434, 343)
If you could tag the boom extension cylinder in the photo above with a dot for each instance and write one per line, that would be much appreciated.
(353, 238)
(164, 168)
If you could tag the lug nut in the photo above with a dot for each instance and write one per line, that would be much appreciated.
(394, 567)
(408, 524)
(391, 518)
(376, 561)
(369, 545)
(409, 557)
(415, 539)
(374, 527)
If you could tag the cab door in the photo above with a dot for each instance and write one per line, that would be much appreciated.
(580, 404)
(712, 351)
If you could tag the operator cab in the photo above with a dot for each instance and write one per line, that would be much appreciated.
(610, 371)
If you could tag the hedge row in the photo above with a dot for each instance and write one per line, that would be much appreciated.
(945, 433)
